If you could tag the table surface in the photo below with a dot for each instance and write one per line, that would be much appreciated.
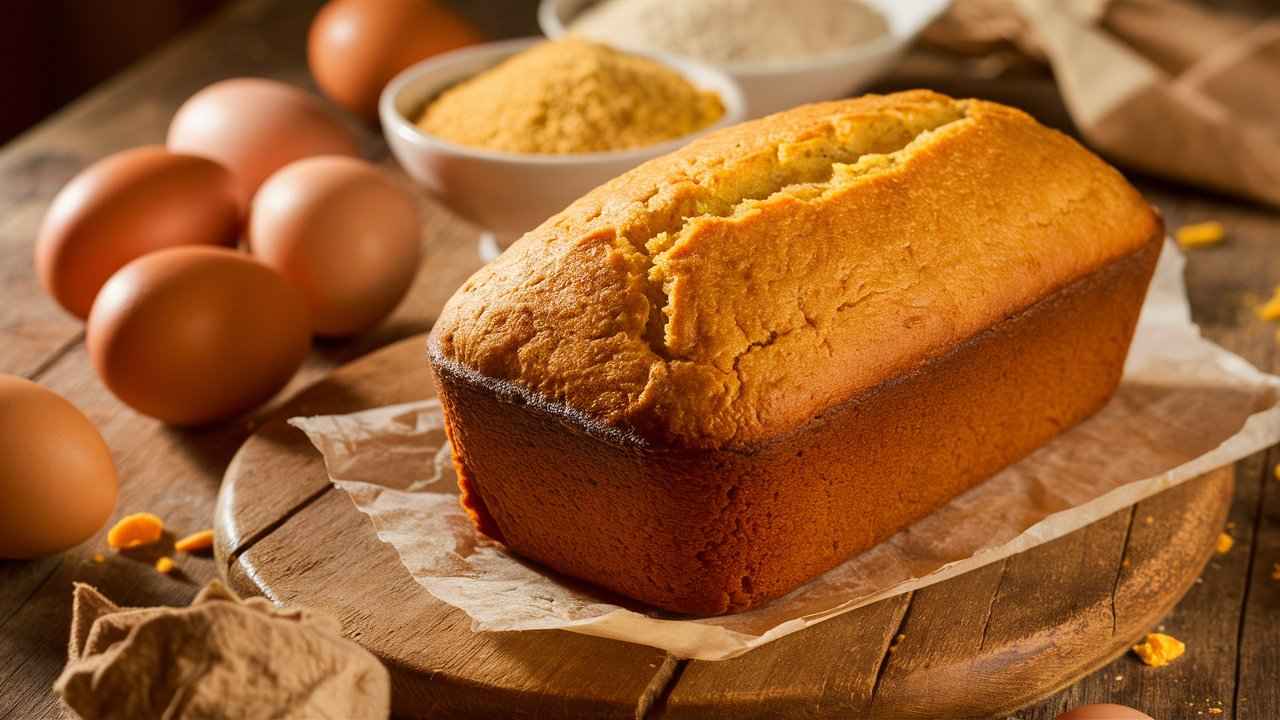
(1230, 620)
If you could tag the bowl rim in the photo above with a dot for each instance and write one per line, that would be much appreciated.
(723, 85)
(554, 28)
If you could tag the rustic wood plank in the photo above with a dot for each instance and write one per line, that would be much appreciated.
(263, 37)
(1257, 691)
(1040, 635)
(827, 671)
(1206, 619)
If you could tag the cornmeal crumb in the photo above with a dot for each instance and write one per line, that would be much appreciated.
(1225, 542)
(195, 542)
(135, 530)
(1270, 310)
(164, 565)
(1159, 649)
(1200, 234)
(571, 96)
(1215, 711)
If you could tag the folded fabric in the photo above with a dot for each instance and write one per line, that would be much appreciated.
(222, 657)
(1161, 86)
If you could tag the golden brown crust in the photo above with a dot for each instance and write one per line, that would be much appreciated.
(726, 293)
(708, 531)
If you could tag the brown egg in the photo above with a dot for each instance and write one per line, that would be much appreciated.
(1104, 712)
(255, 127)
(193, 335)
(356, 46)
(57, 482)
(343, 233)
(125, 206)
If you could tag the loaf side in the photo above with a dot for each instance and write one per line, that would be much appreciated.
(725, 294)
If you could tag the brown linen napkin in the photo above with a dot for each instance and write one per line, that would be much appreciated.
(1161, 86)
(222, 657)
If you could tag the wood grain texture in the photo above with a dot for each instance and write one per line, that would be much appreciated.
(1257, 691)
(178, 472)
(983, 643)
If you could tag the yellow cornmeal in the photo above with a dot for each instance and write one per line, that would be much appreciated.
(571, 96)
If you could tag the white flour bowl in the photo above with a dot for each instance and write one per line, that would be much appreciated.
(770, 87)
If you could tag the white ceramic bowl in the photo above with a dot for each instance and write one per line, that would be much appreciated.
(770, 88)
(508, 193)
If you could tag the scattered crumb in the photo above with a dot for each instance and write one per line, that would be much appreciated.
(1231, 526)
(1160, 628)
(1225, 542)
(1199, 580)
(1159, 649)
(99, 558)
(135, 530)
(1148, 519)
(1270, 310)
(1119, 678)
(164, 565)
(1200, 234)
(1275, 571)
(1125, 563)
(195, 542)
(1276, 472)
(896, 642)
(1215, 711)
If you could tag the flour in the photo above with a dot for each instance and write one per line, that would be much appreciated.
(734, 31)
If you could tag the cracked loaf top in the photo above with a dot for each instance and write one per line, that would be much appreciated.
(730, 292)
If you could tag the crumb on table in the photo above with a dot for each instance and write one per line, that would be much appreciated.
(1159, 649)
(135, 530)
(1200, 234)
(1270, 310)
(195, 542)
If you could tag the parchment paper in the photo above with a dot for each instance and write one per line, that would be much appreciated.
(1185, 406)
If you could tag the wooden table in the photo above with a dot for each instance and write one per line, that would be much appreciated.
(1231, 621)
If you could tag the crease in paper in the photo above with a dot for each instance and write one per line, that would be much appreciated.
(1184, 407)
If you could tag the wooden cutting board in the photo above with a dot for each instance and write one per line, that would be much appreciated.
(979, 645)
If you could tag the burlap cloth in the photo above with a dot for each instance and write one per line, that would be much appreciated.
(222, 657)
(1166, 87)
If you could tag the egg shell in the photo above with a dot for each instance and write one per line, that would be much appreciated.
(343, 233)
(1104, 711)
(125, 206)
(355, 47)
(57, 482)
(194, 335)
(256, 126)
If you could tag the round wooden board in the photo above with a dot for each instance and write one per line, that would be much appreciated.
(979, 645)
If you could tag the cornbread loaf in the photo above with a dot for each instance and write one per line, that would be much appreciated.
(732, 368)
